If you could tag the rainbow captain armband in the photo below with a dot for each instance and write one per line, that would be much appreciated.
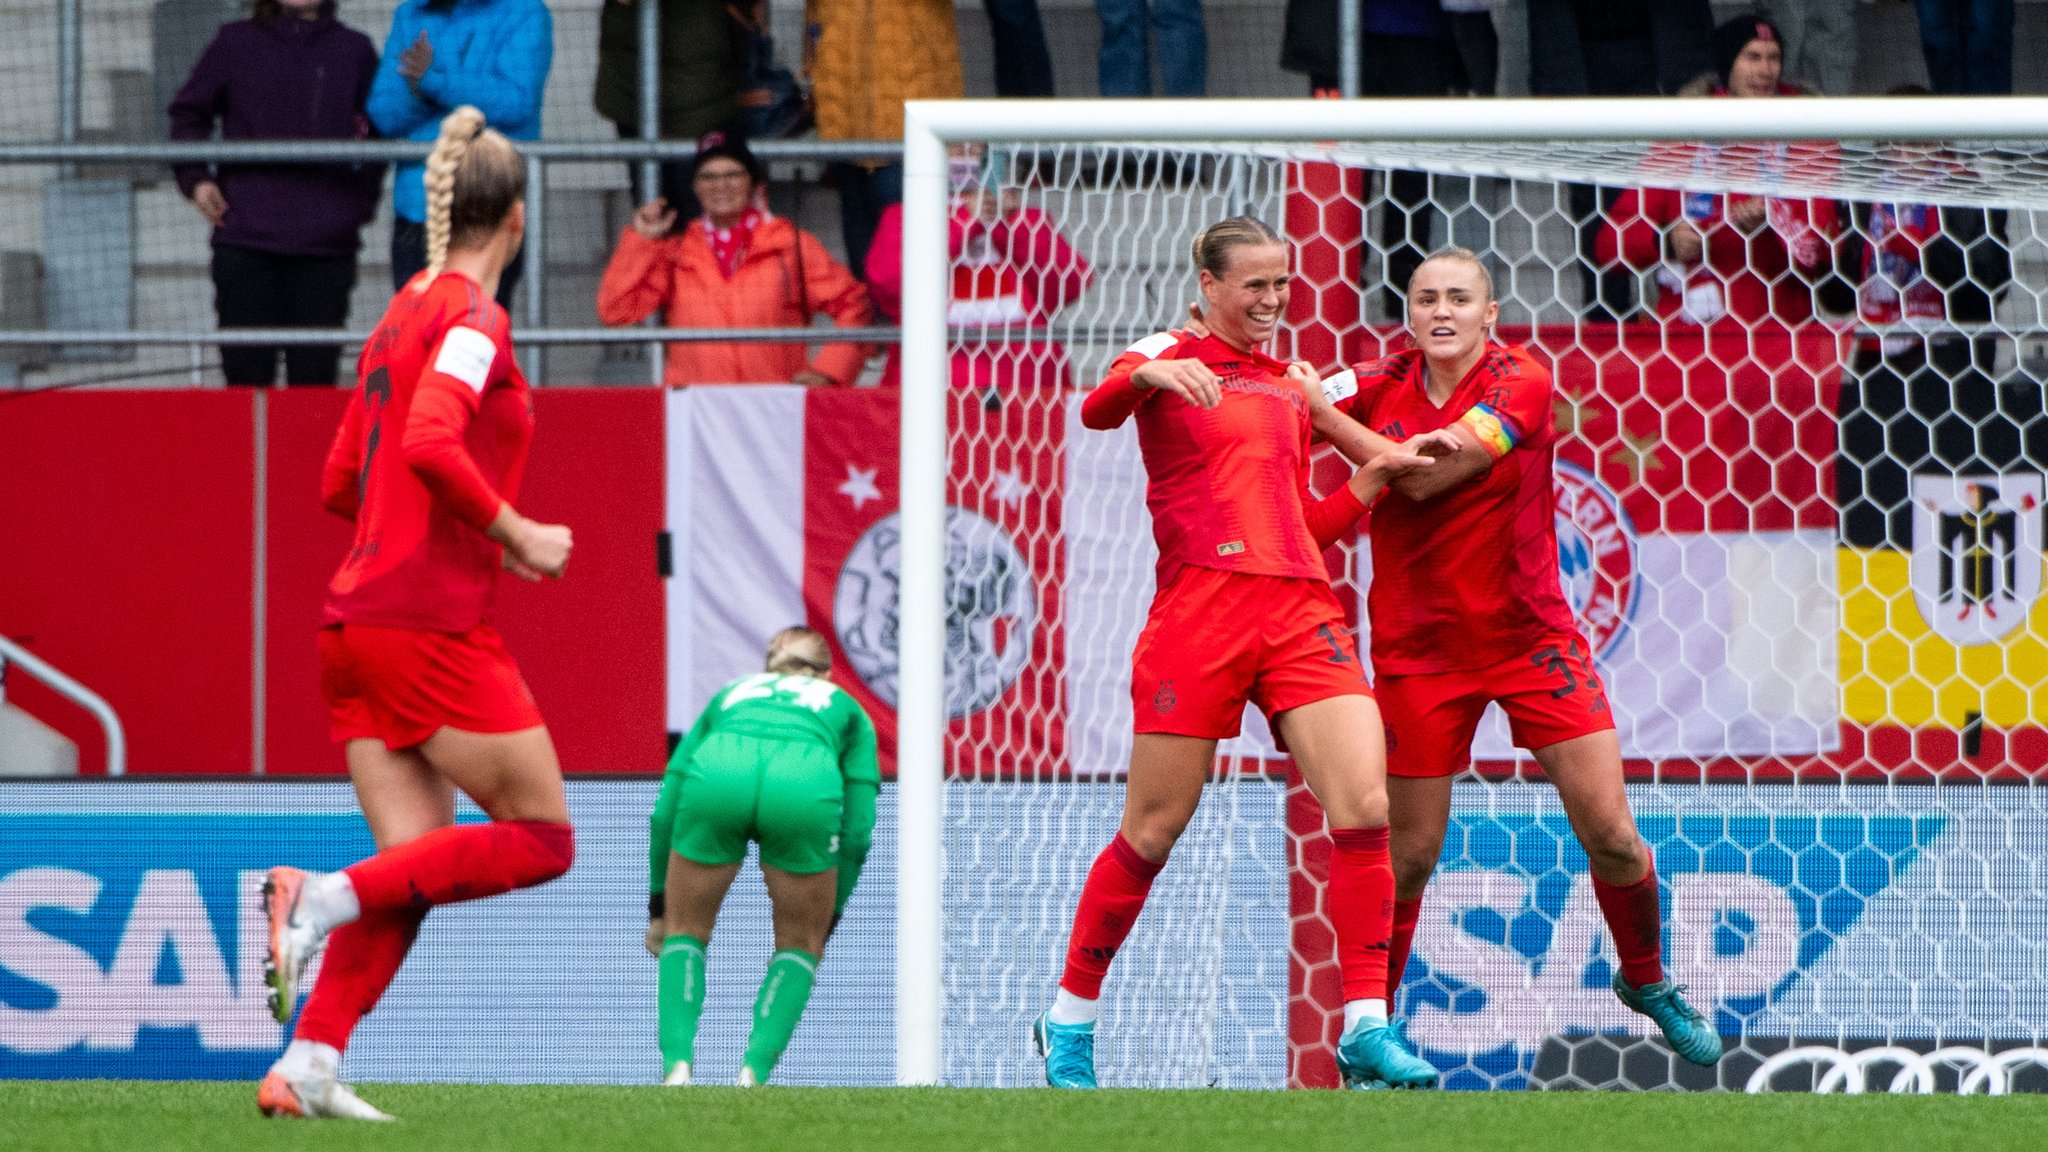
(1497, 431)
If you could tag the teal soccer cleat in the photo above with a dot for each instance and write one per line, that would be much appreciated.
(1069, 1052)
(1684, 1028)
(1375, 1056)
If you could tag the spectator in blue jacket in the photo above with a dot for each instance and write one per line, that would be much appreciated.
(442, 54)
(285, 236)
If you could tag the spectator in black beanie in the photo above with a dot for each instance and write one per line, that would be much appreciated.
(1749, 59)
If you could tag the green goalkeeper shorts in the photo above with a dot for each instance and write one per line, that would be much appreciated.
(785, 794)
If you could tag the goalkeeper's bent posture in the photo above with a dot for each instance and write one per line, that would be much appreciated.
(786, 759)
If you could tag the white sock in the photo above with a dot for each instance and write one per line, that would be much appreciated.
(1068, 1008)
(308, 1059)
(327, 902)
(1371, 1011)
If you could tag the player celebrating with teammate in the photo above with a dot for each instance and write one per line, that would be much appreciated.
(1244, 610)
(786, 759)
(419, 687)
(1466, 610)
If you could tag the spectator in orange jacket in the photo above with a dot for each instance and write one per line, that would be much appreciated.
(1730, 256)
(736, 266)
(1012, 272)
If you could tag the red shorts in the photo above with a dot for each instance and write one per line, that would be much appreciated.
(1551, 694)
(1216, 639)
(402, 685)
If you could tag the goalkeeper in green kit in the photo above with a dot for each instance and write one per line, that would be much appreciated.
(787, 759)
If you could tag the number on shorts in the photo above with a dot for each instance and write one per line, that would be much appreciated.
(1559, 665)
(1337, 653)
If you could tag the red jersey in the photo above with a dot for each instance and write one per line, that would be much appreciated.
(1466, 578)
(1227, 486)
(432, 446)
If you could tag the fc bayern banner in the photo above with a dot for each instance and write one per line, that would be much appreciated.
(783, 510)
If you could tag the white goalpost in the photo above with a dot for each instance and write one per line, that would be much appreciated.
(1818, 750)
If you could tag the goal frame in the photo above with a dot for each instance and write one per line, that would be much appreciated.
(929, 126)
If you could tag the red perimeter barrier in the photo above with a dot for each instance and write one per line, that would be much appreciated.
(132, 541)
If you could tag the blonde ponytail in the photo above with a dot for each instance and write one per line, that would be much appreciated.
(473, 178)
(458, 129)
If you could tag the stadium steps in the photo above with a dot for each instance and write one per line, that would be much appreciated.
(29, 747)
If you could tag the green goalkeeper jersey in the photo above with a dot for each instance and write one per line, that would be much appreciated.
(778, 707)
(740, 774)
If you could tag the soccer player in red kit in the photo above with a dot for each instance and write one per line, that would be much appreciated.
(1466, 610)
(1244, 611)
(419, 687)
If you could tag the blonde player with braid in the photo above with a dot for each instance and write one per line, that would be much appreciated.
(419, 687)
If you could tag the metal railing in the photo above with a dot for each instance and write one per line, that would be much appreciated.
(79, 694)
(538, 154)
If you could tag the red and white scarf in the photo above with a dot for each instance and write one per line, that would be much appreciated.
(729, 245)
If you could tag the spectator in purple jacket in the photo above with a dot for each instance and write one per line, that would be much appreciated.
(285, 236)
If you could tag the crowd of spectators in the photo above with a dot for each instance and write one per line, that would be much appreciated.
(705, 250)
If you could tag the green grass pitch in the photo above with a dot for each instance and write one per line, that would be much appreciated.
(132, 1117)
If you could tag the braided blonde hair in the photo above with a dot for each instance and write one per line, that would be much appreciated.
(799, 651)
(474, 176)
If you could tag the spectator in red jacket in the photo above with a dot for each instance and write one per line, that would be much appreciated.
(1012, 272)
(736, 266)
(1730, 256)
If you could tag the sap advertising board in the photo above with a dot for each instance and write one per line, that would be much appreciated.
(131, 935)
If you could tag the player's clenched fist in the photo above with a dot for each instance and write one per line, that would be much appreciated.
(1191, 380)
(532, 549)
(543, 548)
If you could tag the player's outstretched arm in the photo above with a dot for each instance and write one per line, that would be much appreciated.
(861, 771)
(1379, 473)
(1333, 424)
(1460, 457)
(856, 835)
(1331, 517)
(660, 833)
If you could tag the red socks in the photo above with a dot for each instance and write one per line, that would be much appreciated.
(362, 958)
(396, 887)
(1637, 925)
(1362, 909)
(463, 862)
(1110, 902)
(1406, 912)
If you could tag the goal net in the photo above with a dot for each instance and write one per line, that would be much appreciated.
(1800, 491)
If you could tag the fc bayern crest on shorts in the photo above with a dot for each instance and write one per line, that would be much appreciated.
(991, 610)
(1596, 556)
